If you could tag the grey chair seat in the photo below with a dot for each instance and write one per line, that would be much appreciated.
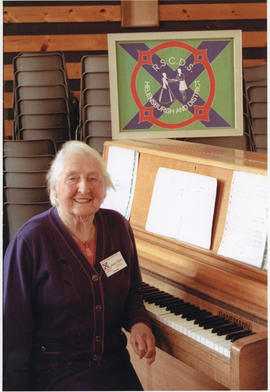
(26, 195)
(42, 106)
(25, 179)
(257, 94)
(259, 126)
(256, 73)
(40, 78)
(95, 97)
(41, 121)
(258, 109)
(261, 141)
(33, 62)
(27, 163)
(97, 128)
(96, 113)
(55, 134)
(29, 147)
(94, 63)
(40, 92)
(98, 80)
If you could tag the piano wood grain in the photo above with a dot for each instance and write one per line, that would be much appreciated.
(168, 373)
(209, 276)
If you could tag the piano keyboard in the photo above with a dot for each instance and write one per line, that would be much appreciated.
(213, 331)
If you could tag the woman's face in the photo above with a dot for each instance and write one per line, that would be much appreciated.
(80, 189)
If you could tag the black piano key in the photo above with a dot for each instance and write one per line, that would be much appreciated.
(213, 323)
(174, 304)
(162, 305)
(238, 335)
(145, 288)
(155, 293)
(177, 305)
(191, 310)
(225, 325)
(174, 301)
(202, 316)
(180, 309)
(154, 298)
(189, 315)
(143, 284)
(210, 319)
(192, 314)
(228, 329)
(152, 295)
(161, 300)
(170, 300)
(195, 316)
(148, 293)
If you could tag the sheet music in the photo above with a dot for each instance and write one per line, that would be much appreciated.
(122, 166)
(245, 233)
(182, 206)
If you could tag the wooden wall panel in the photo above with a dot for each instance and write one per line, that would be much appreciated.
(112, 13)
(62, 13)
(80, 28)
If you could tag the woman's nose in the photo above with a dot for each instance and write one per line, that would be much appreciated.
(84, 186)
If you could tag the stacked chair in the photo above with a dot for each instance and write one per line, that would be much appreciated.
(94, 111)
(256, 96)
(25, 164)
(42, 104)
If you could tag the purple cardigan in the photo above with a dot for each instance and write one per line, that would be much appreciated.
(56, 303)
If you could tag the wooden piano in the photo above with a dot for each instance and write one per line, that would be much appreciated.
(222, 286)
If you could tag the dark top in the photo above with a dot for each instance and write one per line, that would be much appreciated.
(56, 303)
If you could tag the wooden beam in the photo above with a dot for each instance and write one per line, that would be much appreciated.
(62, 42)
(88, 42)
(53, 14)
(213, 11)
(112, 13)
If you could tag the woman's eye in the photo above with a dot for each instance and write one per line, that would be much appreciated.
(71, 179)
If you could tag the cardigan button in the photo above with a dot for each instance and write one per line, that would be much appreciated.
(94, 278)
(98, 308)
(43, 349)
(98, 338)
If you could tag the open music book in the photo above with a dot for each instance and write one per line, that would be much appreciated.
(182, 206)
(122, 166)
(245, 232)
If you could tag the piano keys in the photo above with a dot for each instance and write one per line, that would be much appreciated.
(226, 342)
(213, 331)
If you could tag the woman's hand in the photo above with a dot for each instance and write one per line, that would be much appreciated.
(143, 342)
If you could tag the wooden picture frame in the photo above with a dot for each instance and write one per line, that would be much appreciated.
(176, 84)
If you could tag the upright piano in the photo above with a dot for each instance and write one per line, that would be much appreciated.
(221, 286)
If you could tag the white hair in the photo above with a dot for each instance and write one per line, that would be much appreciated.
(69, 148)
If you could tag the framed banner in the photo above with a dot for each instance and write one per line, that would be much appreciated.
(176, 84)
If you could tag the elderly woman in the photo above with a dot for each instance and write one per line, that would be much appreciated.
(70, 280)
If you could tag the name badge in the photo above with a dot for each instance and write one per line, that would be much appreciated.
(113, 264)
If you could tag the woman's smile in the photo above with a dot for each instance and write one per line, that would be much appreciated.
(82, 201)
